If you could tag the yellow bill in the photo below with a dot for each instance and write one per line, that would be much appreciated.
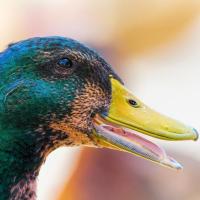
(128, 120)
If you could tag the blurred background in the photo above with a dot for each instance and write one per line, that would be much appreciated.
(154, 45)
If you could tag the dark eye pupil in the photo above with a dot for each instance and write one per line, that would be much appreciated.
(132, 102)
(65, 62)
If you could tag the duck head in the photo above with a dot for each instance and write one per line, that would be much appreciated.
(59, 89)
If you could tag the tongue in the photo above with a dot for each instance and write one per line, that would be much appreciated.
(128, 140)
(146, 144)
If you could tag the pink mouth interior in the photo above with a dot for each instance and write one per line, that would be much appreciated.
(137, 144)
(131, 135)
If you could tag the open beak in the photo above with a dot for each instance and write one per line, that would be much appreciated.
(128, 120)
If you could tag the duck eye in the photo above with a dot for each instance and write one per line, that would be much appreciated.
(65, 62)
(132, 102)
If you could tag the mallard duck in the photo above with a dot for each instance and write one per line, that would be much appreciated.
(54, 92)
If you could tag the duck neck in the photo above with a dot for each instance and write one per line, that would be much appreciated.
(21, 156)
(18, 167)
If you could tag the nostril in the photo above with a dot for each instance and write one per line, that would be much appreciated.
(197, 134)
(132, 102)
